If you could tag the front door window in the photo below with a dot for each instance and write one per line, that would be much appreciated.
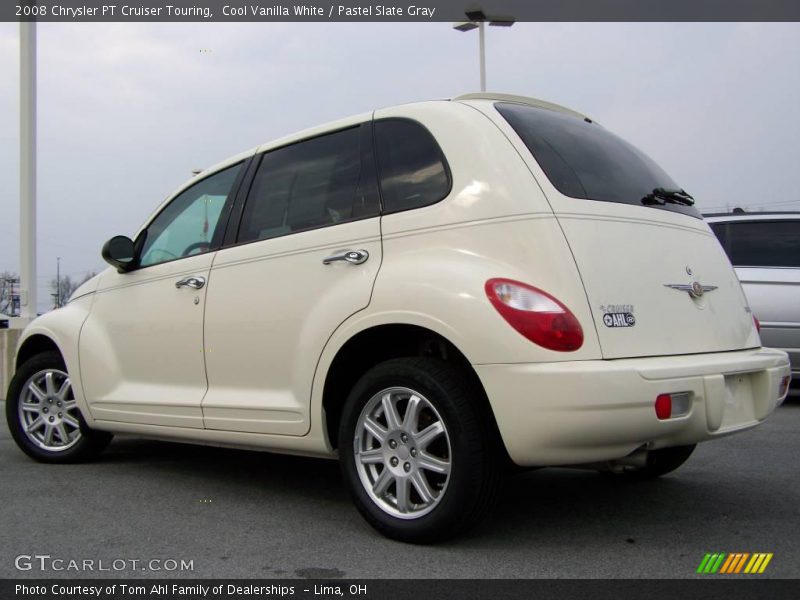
(187, 225)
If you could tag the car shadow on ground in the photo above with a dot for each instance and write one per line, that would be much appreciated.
(546, 501)
(232, 471)
(721, 482)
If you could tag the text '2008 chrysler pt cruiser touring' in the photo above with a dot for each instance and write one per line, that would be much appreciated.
(430, 292)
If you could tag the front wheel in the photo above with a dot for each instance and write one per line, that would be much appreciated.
(43, 416)
(417, 450)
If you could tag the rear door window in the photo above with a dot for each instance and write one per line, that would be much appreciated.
(583, 160)
(413, 170)
(760, 243)
(315, 183)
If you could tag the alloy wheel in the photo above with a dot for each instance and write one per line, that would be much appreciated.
(402, 452)
(48, 412)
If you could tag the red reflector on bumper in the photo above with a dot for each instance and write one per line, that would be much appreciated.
(664, 406)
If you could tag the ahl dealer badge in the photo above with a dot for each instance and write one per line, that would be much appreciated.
(618, 315)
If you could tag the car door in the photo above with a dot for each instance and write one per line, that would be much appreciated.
(308, 251)
(141, 348)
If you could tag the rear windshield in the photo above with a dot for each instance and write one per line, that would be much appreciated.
(583, 160)
(760, 243)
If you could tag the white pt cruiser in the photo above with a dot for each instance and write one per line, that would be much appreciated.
(431, 292)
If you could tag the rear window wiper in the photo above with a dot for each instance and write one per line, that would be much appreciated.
(663, 195)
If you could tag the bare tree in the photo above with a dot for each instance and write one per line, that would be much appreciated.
(7, 282)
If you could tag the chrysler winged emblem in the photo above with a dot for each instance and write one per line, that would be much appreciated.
(694, 289)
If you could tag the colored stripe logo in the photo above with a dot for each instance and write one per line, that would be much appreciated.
(735, 563)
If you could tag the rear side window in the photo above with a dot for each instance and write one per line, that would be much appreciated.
(760, 243)
(412, 167)
(314, 183)
(583, 160)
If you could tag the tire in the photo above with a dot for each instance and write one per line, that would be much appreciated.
(662, 461)
(420, 475)
(40, 391)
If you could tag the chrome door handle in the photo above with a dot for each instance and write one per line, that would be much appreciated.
(354, 257)
(195, 282)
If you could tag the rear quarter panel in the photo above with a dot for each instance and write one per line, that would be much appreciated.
(496, 222)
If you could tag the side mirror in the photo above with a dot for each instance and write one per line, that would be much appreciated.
(120, 252)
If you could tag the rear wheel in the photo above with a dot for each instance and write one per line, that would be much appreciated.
(43, 416)
(417, 450)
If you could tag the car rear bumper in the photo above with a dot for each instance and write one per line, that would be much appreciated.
(588, 411)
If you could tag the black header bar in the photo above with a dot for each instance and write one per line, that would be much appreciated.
(398, 10)
(396, 589)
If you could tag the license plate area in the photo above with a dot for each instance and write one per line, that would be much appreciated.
(739, 405)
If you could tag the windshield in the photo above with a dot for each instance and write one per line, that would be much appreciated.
(583, 160)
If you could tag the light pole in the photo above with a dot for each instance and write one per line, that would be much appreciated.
(58, 282)
(27, 184)
(477, 19)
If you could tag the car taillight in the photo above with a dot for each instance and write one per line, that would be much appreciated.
(535, 314)
(758, 324)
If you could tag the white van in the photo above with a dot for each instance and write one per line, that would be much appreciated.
(429, 292)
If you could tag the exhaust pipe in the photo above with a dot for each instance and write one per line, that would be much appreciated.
(635, 460)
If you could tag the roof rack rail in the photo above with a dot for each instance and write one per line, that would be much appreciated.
(522, 100)
(756, 213)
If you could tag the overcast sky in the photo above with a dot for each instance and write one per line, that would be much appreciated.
(126, 111)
